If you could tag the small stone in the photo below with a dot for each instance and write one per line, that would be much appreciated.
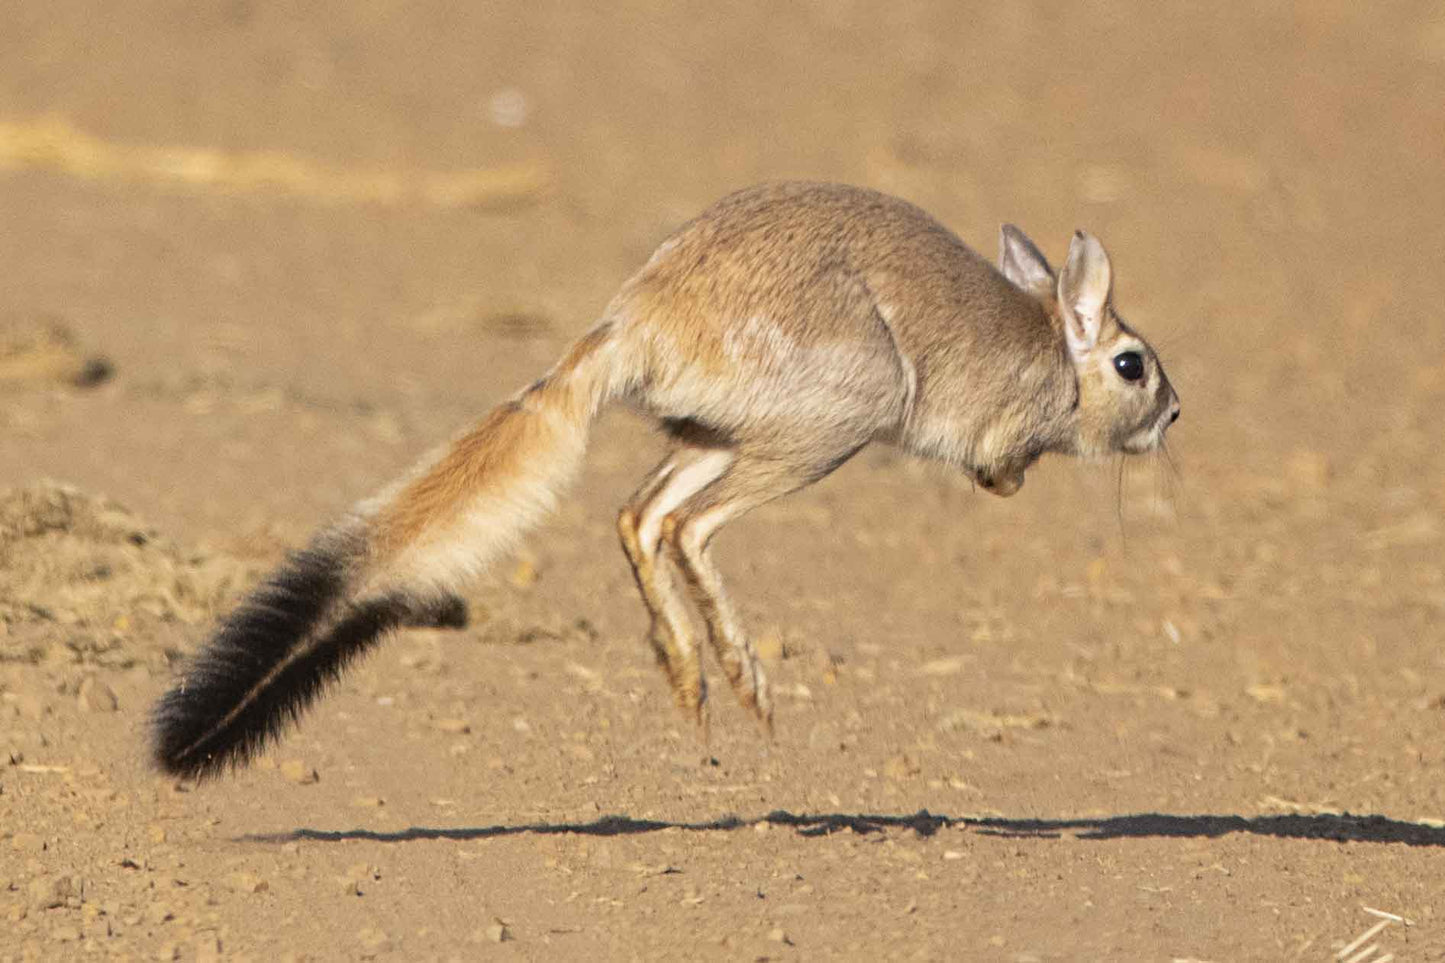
(942, 667)
(65, 933)
(1266, 693)
(208, 949)
(298, 772)
(363, 872)
(777, 935)
(902, 767)
(96, 696)
(368, 802)
(499, 932)
(769, 646)
(168, 952)
(454, 727)
(49, 893)
(158, 913)
(248, 883)
(27, 842)
(374, 939)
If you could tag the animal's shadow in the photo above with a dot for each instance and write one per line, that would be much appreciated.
(1329, 827)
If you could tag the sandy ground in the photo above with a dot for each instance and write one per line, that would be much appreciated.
(1134, 713)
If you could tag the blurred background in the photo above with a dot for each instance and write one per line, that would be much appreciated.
(255, 257)
(1265, 176)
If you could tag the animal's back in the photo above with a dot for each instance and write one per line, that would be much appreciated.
(798, 300)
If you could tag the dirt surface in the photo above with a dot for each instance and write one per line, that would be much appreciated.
(258, 257)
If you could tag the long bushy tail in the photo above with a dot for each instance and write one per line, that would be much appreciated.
(395, 561)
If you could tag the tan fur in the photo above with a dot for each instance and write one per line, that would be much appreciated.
(482, 453)
(492, 454)
(775, 335)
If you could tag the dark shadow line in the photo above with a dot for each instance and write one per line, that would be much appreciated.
(1343, 827)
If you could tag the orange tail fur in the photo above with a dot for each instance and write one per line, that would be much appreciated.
(395, 561)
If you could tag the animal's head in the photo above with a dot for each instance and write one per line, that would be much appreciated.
(1125, 401)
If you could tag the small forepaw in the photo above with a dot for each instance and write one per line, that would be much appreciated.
(1000, 483)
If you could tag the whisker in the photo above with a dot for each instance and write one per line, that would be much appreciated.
(1154, 480)
(1174, 471)
(1173, 478)
(1119, 497)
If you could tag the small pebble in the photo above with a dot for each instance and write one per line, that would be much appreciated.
(65, 933)
(48, 893)
(769, 646)
(208, 950)
(901, 767)
(298, 772)
(248, 883)
(96, 696)
(373, 938)
(27, 842)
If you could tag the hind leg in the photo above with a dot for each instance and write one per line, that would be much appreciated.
(688, 530)
(680, 476)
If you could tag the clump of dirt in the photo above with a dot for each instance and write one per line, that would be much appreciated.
(45, 350)
(72, 558)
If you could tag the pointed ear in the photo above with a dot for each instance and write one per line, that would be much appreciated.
(1085, 286)
(1021, 262)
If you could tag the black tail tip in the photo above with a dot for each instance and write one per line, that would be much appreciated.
(225, 707)
(175, 750)
(273, 655)
(443, 612)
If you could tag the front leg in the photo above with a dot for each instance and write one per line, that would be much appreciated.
(1000, 480)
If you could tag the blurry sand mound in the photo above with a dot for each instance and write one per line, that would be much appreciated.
(78, 559)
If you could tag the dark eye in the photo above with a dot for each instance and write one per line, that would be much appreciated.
(1129, 365)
